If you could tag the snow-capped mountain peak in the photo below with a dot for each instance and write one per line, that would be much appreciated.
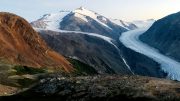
(52, 21)
(82, 19)
(81, 8)
(85, 12)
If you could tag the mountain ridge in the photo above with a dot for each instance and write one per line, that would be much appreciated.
(21, 45)
(84, 20)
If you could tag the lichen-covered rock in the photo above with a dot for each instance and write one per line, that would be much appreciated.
(108, 88)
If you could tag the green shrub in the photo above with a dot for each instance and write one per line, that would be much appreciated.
(82, 68)
(26, 82)
(20, 70)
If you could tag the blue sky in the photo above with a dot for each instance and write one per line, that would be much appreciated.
(120, 9)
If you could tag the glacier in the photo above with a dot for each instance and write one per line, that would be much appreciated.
(131, 40)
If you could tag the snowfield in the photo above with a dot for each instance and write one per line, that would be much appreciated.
(131, 40)
(52, 20)
(82, 13)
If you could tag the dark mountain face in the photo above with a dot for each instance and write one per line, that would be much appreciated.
(94, 51)
(141, 64)
(165, 35)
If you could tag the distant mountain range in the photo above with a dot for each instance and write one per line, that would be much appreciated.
(83, 20)
(89, 37)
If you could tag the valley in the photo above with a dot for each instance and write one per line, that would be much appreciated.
(78, 54)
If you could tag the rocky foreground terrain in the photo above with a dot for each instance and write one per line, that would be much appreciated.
(108, 88)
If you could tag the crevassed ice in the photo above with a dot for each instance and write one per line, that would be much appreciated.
(53, 20)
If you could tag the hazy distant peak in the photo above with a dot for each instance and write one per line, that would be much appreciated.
(64, 11)
(81, 8)
(143, 23)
